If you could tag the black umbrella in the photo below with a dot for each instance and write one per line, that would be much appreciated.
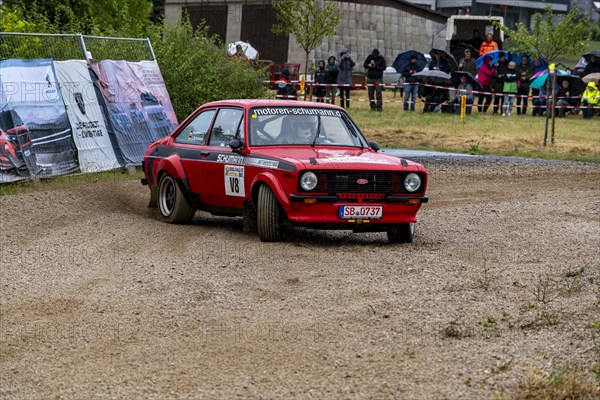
(596, 53)
(435, 76)
(576, 85)
(474, 51)
(470, 78)
(446, 56)
(404, 58)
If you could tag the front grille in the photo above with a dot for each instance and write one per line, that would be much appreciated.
(344, 183)
(347, 181)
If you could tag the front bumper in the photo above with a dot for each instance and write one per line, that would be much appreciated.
(324, 209)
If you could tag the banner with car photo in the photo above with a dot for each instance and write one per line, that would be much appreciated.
(137, 104)
(94, 148)
(35, 134)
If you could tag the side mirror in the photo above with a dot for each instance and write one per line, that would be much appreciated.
(236, 145)
(374, 145)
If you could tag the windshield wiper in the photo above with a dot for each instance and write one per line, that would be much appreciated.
(318, 131)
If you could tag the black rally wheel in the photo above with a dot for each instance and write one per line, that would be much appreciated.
(401, 233)
(172, 205)
(269, 216)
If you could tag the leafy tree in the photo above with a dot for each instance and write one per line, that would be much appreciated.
(197, 68)
(307, 20)
(549, 39)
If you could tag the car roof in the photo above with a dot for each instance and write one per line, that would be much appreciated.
(249, 103)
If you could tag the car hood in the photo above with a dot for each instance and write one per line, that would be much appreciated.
(336, 158)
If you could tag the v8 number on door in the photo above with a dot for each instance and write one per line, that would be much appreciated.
(360, 212)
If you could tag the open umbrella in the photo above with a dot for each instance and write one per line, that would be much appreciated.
(404, 58)
(495, 55)
(446, 56)
(249, 51)
(474, 51)
(470, 78)
(589, 55)
(575, 83)
(538, 80)
(435, 76)
(595, 77)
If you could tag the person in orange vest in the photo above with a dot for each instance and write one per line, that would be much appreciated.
(488, 45)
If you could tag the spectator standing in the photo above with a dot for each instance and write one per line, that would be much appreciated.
(285, 89)
(476, 41)
(468, 63)
(509, 89)
(565, 98)
(345, 77)
(410, 83)
(464, 88)
(540, 103)
(485, 78)
(524, 73)
(332, 75)
(438, 63)
(488, 45)
(239, 54)
(592, 66)
(499, 77)
(320, 79)
(375, 65)
(590, 97)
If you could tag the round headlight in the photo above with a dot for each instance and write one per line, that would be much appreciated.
(412, 182)
(308, 180)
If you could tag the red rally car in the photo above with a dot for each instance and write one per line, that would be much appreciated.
(279, 163)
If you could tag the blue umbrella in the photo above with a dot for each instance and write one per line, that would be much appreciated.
(494, 55)
(538, 80)
(404, 58)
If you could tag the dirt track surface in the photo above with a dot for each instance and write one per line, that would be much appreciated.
(98, 299)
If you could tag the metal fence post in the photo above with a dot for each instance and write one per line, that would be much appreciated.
(82, 44)
(151, 49)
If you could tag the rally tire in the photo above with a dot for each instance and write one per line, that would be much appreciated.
(269, 216)
(401, 233)
(172, 204)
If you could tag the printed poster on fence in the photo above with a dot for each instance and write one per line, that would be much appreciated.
(137, 104)
(94, 148)
(35, 135)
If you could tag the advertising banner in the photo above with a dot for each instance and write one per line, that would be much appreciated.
(35, 134)
(94, 148)
(137, 104)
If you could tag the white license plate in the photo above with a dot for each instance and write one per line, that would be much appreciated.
(360, 212)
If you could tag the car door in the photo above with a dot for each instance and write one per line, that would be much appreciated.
(191, 146)
(225, 173)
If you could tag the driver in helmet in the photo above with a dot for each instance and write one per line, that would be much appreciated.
(299, 129)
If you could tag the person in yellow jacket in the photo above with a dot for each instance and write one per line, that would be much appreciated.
(591, 97)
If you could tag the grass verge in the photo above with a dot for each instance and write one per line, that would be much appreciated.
(576, 139)
(61, 182)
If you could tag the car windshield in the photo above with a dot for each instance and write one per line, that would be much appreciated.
(302, 126)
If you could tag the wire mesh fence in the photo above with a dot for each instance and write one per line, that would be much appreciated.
(61, 47)
(32, 46)
(106, 48)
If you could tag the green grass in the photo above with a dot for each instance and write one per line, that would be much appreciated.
(66, 181)
(576, 139)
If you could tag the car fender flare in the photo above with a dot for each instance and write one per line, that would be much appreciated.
(173, 166)
(271, 180)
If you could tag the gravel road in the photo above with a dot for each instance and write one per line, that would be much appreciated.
(98, 299)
